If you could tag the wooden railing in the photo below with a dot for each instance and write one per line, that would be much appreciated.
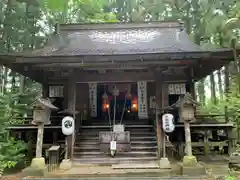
(26, 123)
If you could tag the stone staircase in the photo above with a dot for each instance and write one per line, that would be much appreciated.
(143, 146)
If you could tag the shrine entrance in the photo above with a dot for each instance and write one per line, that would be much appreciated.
(117, 101)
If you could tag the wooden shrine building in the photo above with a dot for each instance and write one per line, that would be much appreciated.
(83, 64)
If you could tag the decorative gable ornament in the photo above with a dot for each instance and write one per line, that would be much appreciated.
(68, 125)
(167, 123)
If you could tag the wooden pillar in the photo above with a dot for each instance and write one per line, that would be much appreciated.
(191, 83)
(71, 107)
(71, 94)
(230, 140)
(206, 143)
(158, 120)
(45, 90)
(55, 137)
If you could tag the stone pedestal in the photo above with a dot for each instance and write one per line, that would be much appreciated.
(189, 160)
(164, 163)
(37, 168)
(191, 167)
(65, 164)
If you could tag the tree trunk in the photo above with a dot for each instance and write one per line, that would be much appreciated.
(22, 84)
(213, 89)
(4, 79)
(226, 79)
(201, 91)
(220, 84)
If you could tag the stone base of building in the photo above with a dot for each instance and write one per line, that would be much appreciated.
(65, 164)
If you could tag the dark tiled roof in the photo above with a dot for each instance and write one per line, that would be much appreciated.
(116, 40)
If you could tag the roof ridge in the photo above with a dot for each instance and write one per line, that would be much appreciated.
(120, 25)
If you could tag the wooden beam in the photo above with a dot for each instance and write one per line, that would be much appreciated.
(169, 56)
(85, 77)
(36, 75)
(115, 64)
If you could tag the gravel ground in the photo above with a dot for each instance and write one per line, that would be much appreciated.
(114, 178)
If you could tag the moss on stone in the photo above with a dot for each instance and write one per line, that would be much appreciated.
(189, 161)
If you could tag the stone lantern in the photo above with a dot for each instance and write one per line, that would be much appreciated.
(41, 116)
(187, 107)
(42, 111)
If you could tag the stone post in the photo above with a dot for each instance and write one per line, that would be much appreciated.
(187, 108)
(188, 140)
(39, 140)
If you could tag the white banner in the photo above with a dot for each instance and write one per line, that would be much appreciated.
(93, 99)
(142, 100)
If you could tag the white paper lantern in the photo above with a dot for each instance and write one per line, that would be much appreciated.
(167, 123)
(68, 125)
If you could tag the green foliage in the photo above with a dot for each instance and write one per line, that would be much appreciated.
(232, 102)
(230, 178)
(15, 106)
(11, 152)
(12, 106)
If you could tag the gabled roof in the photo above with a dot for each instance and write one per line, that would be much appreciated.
(118, 39)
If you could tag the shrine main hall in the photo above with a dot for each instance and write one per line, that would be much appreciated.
(107, 74)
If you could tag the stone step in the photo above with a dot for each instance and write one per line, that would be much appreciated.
(126, 129)
(84, 147)
(112, 160)
(137, 153)
(132, 137)
(143, 142)
(134, 142)
(110, 127)
(131, 130)
(148, 165)
(136, 132)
